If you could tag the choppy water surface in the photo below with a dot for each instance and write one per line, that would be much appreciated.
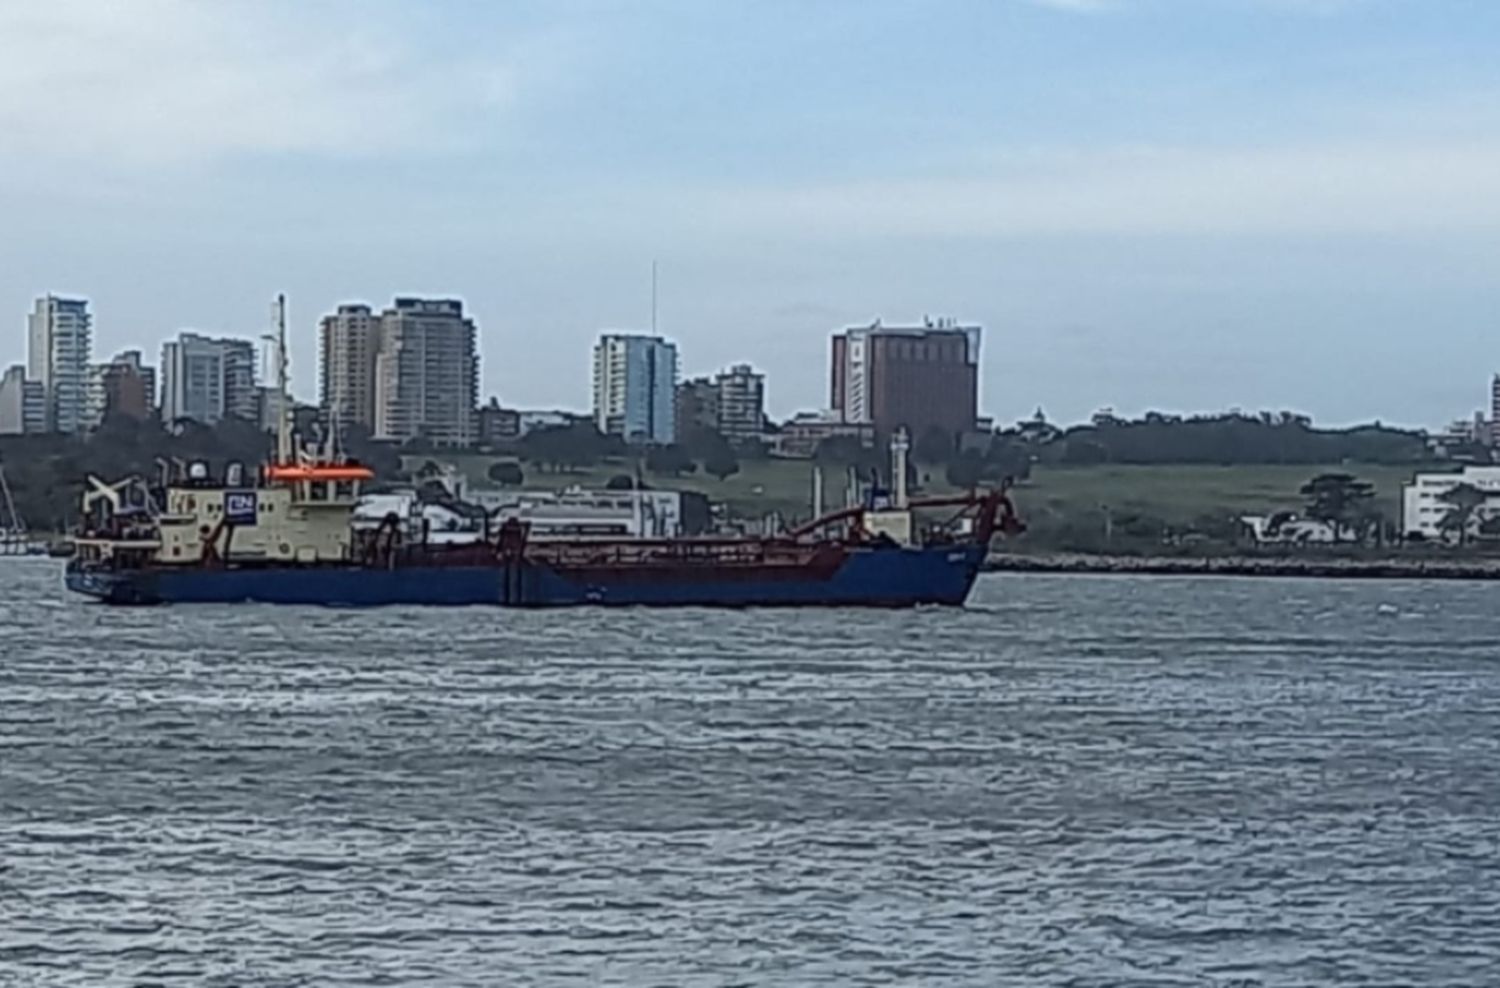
(1077, 781)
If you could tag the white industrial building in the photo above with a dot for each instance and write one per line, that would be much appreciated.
(648, 514)
(1423, 507)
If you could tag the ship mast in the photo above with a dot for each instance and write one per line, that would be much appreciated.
(283, 418)
(13, 525)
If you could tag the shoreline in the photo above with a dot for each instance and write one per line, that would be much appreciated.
(1391, 568)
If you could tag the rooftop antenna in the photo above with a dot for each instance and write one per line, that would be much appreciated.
(653, 296)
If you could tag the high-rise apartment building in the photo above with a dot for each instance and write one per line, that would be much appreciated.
(635, 388)
(426, 373)
(732, 403)
(23, 403)
(207, 380)
(697, 405)
(59, 350)
(923, 378)
(124, 386)
(741, 403)
(350, 343)
(497, 425)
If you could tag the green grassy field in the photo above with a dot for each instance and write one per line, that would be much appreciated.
(1185, 491)
(1061, 500)
(1058, 503)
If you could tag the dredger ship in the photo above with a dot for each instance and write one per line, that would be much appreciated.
(290, 537)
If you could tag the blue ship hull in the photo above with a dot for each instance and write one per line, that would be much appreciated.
(867, 577)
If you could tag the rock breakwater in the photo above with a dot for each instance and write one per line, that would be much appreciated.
(1393, 568)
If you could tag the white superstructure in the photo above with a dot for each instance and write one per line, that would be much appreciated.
(571, 513)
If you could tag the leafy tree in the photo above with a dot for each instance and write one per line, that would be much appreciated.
(1008, 456)
(966, 470)
(722, 464)
(700, 442)
(506, 474)
(752, 449)
(1463, 502)
(382, 457)
(697, 513)
(46, 472)
(1084, 453)
(845, 451)
(625, 482)
(935, 446)
(673, 459)
(1234, 438)
(710, 448)
(1339, 500)
(567, 447)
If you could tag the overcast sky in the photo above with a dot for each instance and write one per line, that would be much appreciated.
(1148, 204)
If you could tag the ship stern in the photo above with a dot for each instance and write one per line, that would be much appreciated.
(109, 586)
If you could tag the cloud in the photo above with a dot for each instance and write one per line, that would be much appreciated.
(1334, 188)
(162, 80)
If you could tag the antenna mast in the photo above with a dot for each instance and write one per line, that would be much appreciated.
(335, 418)
(14, 525)
(283, 419)
(653, 296)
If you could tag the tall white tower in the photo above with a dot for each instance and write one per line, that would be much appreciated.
(59, 356)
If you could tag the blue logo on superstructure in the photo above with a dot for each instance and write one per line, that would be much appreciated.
(239, 508)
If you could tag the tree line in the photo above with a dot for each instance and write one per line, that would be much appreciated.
(47, 471)
(1230, 439)
(580, 445)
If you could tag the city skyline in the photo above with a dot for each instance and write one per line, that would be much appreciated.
(1151, 203)
(313, 386)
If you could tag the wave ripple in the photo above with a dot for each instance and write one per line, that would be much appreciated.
(1075, 782)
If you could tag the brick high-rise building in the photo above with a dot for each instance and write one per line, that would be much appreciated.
(697, 406)
(350, 342)
(124, 386)
(923, 378)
